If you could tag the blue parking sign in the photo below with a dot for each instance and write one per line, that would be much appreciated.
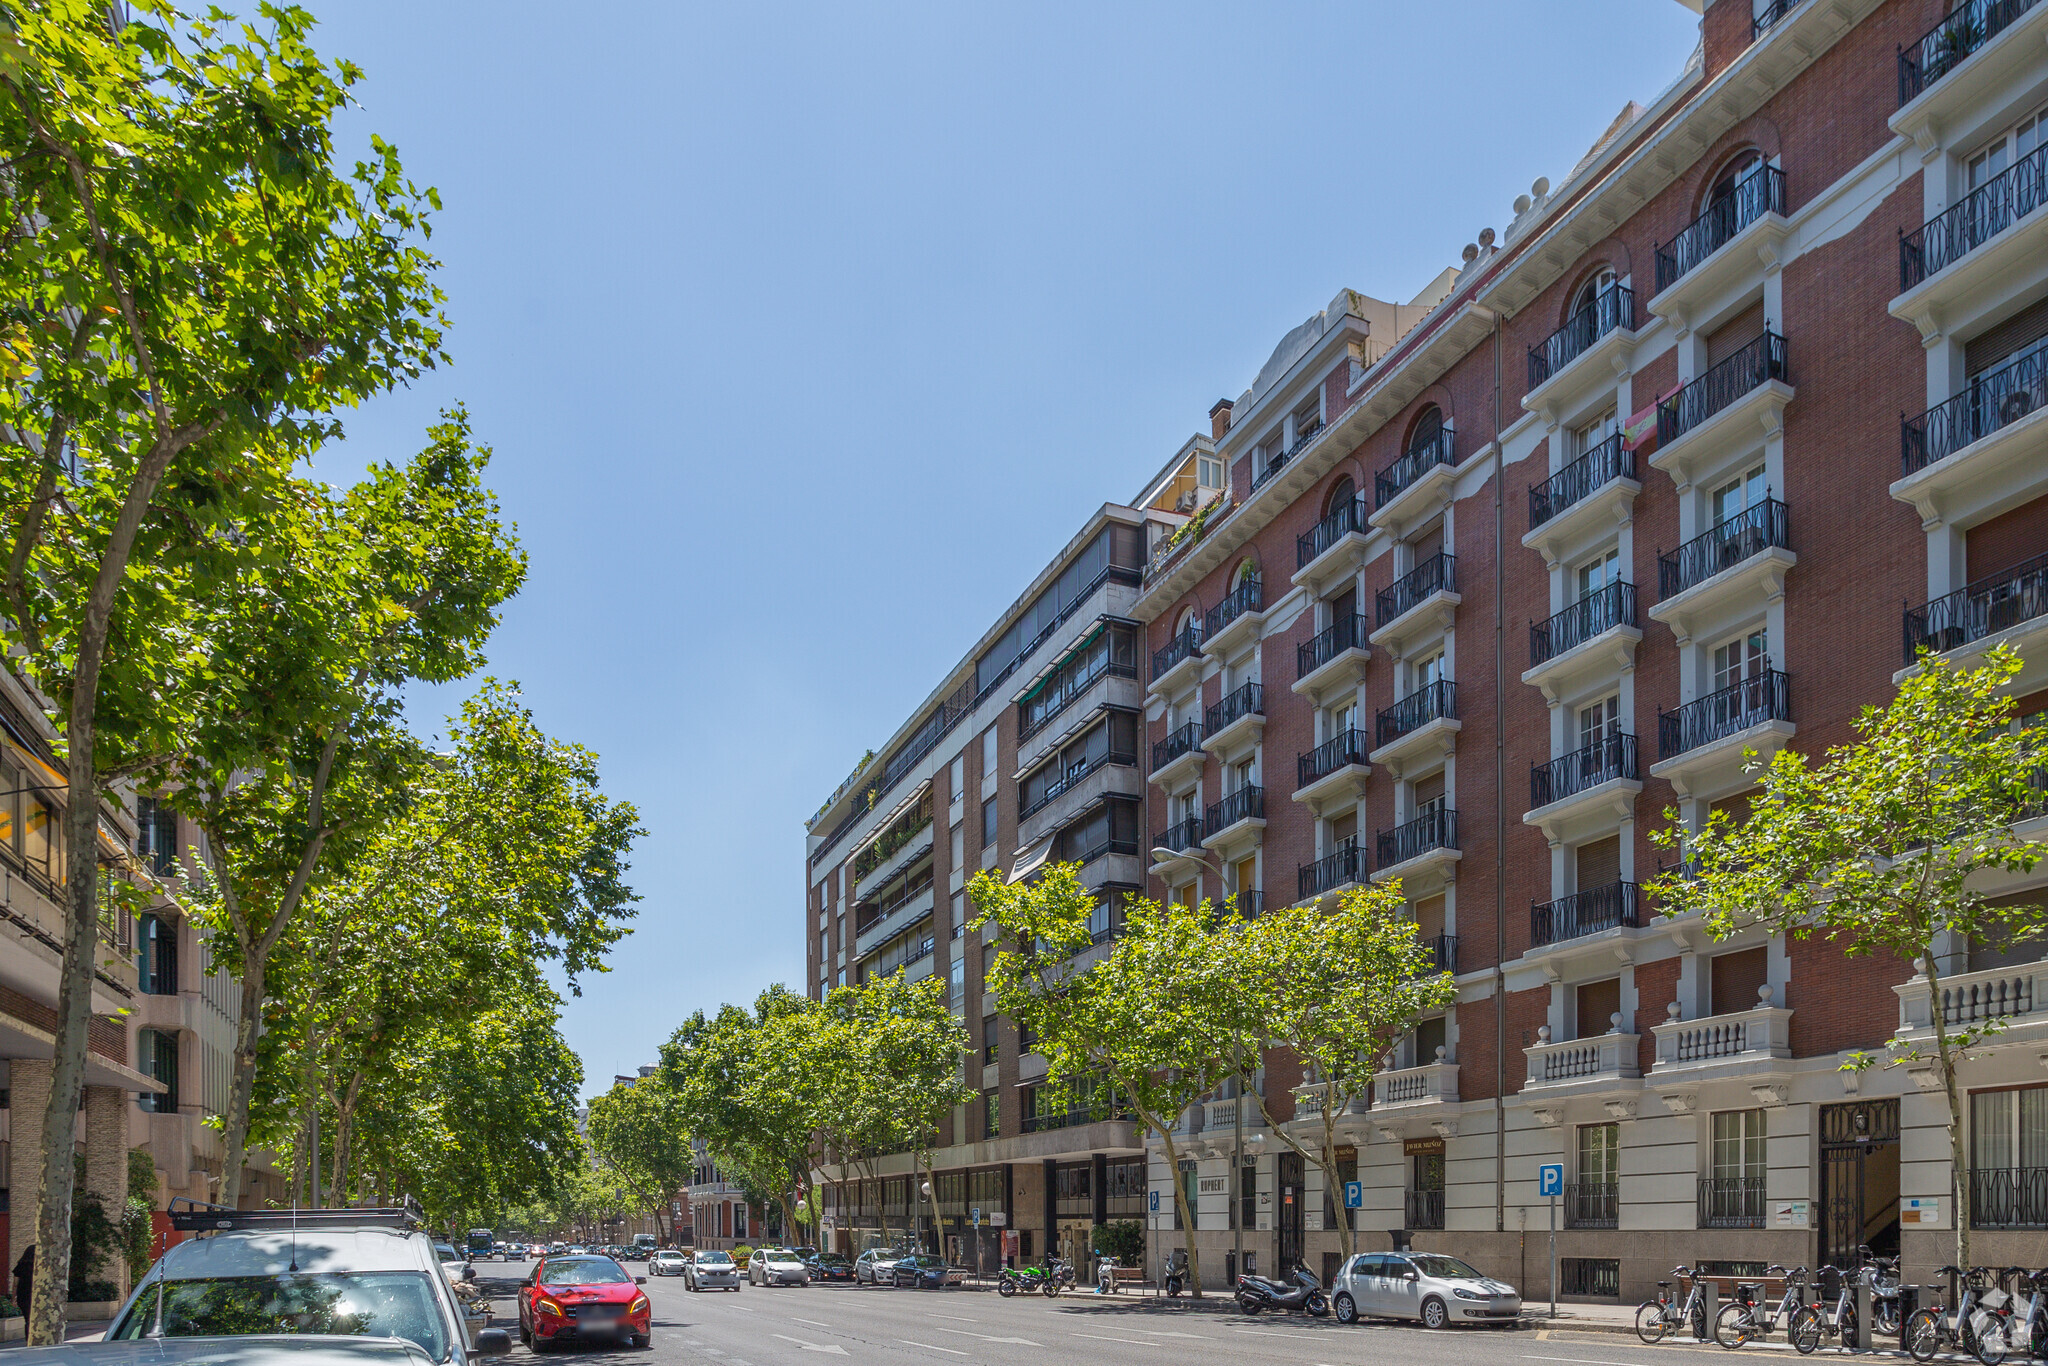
(1354, 1194)
(1550, 1179)
(1152, 1201)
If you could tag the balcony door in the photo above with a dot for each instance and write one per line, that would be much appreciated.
(1287, 1225)
(2009, 1158)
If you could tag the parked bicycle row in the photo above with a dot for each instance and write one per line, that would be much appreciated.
(1991, 1313)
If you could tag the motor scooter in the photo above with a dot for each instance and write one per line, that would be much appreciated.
(1301, 1290)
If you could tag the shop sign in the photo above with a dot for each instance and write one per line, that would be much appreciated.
(1213, 1185)
(1789, 1214)
(1422, 1147)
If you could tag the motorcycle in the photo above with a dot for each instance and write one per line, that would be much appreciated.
(1031, 1278)
(1300, 1291)
(1062, 1273)
(1173, 1274)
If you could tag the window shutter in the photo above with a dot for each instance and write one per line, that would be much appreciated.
(2010, 337)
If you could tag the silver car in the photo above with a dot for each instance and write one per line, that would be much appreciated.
(711, 1270)
(1430, 1286)
(776, 1266)
(667, 1262)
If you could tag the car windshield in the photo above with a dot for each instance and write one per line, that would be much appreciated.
(713, 1259)
(832, 1259)
(375, 1304)
(583, 1271)
(922, 1259)
(1435, 1264)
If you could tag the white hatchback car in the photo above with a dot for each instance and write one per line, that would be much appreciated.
(1430, 1286)
(667, 1262)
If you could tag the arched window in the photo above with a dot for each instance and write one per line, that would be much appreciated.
(1247, 572)
(1740, 168)
(1590, 292)
(1343, 494)
(1428, 428)
(1190, 620)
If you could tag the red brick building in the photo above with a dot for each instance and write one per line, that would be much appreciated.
(1470, 591)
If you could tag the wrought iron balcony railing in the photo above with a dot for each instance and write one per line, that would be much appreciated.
(1347, 864)
(1433, 829)
(1609, 607)
(1943, 48)
(1992, 604)
(1731, 1202)
(1582, 770)
(1424, 1209)
(1726, 711)
(1602, 465)
(1767, 18)
(1186, 740)
(1748, 533)
(1582, 913)
(2009, 1197)
(1433, 700)
(1991, 401)
(1341, 750)
(1760, 192)
(1345, 518)
(1246, 597)
(1248, 700)
(1437, 574)
(1612, 307)
(1391, 482)
(1979, 216)
(1182, 647)
(1443, 952)
(1592, 1204)
(1345, 633)
(1749, 369)
(1247, 803)
(1181, 836)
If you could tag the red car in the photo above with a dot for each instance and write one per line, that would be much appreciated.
(582, 1297)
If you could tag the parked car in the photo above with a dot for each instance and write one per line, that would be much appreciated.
(874, 1266)
(369, 1273)
(922, 1271)
(776, 1266)
(711, 1270)
(265, 1349)
(830, 1266)
(583, 1297)
(667, 1262)
(1429, 1286)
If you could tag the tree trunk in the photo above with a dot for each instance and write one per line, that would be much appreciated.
(1180, 1202)
(74, 1024)
(242, 1079)
(1331, 1183)
(1959, 1170)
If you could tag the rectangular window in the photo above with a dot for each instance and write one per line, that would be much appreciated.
(1591, 434)
(1599, 1154)
(156, 956)
(1599, 721)
(1740, 659)
(1208, 471)
(959, 847)
(991, 1114)
(1430, 670)
(1738, 496)
(2009, 1130)
(988, 753)
(1246, 774)
(157, 1056)
(988, 822)
(1739, 1144)
(1598, 572)
(42, 846)
(957, 777)
(2012, 146)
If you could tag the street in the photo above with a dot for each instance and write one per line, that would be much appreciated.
(786, 1327)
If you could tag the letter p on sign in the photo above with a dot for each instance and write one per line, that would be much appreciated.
(1550, 1179)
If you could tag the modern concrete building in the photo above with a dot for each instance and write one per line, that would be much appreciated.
(1686, 460)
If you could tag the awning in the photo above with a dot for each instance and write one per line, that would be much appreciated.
(1031, 860)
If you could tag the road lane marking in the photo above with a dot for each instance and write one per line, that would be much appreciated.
(1169, 1333)
(1583, 1361)
(1129, 1342)
(832, 1347)
(929, 1347)
(1021, 1342)
(953, 1317)
(813, 1322)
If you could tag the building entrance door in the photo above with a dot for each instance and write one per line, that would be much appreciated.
(1072, 1247)
(1287, 1213)
(1859, 1180)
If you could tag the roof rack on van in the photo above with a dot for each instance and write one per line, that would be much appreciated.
(197, 1216)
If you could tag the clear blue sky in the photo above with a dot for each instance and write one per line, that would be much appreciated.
(806, 334)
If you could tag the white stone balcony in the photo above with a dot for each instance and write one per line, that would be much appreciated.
(2015, 998)
(1607, 1062)
(1732, 1045)
(1434, 1083)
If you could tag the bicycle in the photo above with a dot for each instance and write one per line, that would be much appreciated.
(1655, 1318)
(2007, 1332)
(1811, 1324)
(1927, 1332)
(1739, 1324)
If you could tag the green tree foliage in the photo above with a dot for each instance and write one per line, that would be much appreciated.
(748, 1086)
(1150, 1024)
(637, 1130)
(1339, 988)
(194, 287)
(1880, 848)
(894, 1057)
(299, 756)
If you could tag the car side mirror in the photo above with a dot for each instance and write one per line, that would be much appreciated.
(639, 1280)
(493, 1342)
(468, 1273)
(1411, 1274)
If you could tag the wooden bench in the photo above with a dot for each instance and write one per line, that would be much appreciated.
(1130, 1275)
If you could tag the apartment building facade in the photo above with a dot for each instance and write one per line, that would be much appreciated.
(162, 1031)
(1474, 590)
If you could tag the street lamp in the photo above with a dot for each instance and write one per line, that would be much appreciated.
(1233, 1193)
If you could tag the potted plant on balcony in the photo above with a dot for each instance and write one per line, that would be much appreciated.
(1878, 848)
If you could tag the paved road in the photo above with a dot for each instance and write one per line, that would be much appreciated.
(799, 1327)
